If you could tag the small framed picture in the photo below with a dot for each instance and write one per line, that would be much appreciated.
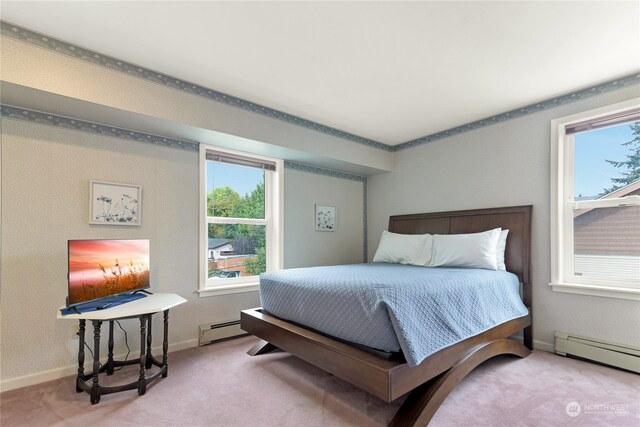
(114, 204)
(325, 218)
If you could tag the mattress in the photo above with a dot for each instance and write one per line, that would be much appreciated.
(393, 307)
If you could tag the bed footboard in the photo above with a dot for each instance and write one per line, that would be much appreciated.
(385, 379)
(423, 402)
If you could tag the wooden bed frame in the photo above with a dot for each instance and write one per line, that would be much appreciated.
(432, 380)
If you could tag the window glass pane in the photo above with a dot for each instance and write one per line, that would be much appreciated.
(606, 160)
(607, 243)
(234, 191)
(236, 250)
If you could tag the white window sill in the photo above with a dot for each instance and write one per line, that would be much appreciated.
(597, 291)
(229, 289)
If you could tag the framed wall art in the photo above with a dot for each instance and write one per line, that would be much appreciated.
(114, 204)
(326, 217)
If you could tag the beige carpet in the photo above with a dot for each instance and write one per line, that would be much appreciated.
(219, 385)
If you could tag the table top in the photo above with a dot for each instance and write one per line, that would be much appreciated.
(149, 304)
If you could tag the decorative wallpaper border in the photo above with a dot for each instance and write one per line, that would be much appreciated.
(59, 46)
(365, 234)
(22, 114)
(95, 58)
(95, 128)
(322, 171)
(45, 42)
(343, 175)
(519, 112)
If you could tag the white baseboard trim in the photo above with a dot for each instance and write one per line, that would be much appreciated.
(545, 346)
(57, 373)
(537, 345)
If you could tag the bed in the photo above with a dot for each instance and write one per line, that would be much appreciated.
(429, 382)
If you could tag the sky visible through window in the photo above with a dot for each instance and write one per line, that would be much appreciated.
(242, 179)
(592, 173)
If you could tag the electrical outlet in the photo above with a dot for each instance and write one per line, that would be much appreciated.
(75, 331)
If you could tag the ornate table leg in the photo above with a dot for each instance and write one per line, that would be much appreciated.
(142, 382)
(149, 359)
(95, 389)
(165, 345)
(80, 355)
(110, 354)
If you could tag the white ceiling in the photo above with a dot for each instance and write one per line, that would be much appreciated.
(388, 71)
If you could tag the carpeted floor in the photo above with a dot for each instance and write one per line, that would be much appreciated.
(219, 385)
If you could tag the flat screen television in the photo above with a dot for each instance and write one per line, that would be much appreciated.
(104, 268)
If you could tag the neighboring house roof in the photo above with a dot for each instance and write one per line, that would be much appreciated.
(236, 256)
(581, 198)
(216, 243)
(620, 192)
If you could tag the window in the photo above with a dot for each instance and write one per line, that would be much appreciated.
(241, 219)
(595, 202)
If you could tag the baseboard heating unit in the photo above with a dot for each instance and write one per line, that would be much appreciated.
(218, 331)
(620, 356)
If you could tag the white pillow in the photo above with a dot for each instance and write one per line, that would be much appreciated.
(404, 248)
(476, 250)
(500, 248)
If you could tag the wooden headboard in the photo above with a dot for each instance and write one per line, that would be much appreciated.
(516, 218)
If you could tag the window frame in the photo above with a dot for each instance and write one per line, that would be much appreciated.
(562, 208)
(273, 222)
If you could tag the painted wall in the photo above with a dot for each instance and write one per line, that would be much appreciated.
(505, 164)
(45, 185)
(306, 247)
(45, 190)
(45, 200)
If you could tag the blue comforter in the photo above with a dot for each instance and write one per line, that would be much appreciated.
(393, 307)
